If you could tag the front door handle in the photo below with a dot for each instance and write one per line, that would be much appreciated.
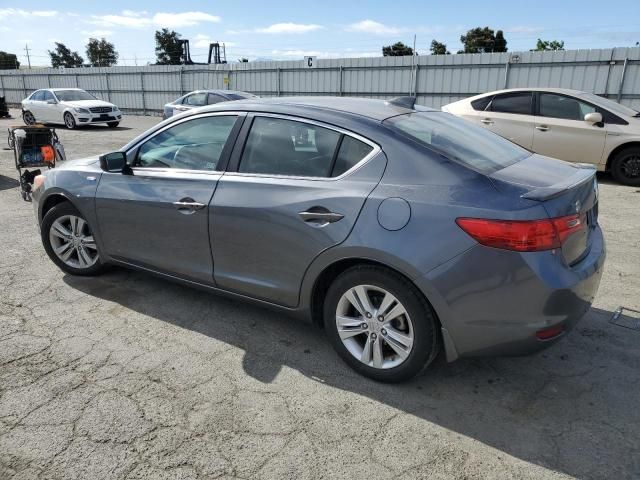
(320, 217)
(542, 128)
(487, 121)
(188, 205)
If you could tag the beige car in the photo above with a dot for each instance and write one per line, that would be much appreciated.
(567, 124)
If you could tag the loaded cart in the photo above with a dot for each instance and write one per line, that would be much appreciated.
(34, 147)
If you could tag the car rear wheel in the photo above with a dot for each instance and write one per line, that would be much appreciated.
(380, 324)
(28, 118)
(113, 124)
(69, 121)
(625, 167)
(68, 240)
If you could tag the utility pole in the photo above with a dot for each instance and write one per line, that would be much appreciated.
(26, 48)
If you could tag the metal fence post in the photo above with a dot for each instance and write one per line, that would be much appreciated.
(24, 88)
(415, 87)
(506, 73)
(341, 80)
(2, 87)
(106, 76)
(144, 103)
(278, 72)
(77, 84)
(624, 70)
(181, 85)
(49, 80)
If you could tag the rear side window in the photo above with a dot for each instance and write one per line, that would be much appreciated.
(276, 146)
(481, 103)
(351, 152)
(518, 103)
(459, 140)
(213, 98)
(567, 108)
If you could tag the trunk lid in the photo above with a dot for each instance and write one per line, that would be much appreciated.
(565, 190)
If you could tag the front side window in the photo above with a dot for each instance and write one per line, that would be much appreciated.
(481, 104)
(48, 96)
(196, 99)
(459, 140)
(277, 146)
(567, 108)
(517, 103)
(193, 145)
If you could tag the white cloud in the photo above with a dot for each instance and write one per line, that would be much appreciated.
(524, 29)
(377, 28)
(289, 27)
(202, 41)
(97, 33)
(132, 19)
(17, 12)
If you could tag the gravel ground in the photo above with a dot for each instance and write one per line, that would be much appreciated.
(129, 376)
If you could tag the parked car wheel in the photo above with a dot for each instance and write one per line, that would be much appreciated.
(113, 124)
(68, 240)
(625, 167)
(380, 324)
(28, 118)
(69, 121)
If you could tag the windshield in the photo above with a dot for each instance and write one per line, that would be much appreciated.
(73, 95)
(459, 140)
(615, 107)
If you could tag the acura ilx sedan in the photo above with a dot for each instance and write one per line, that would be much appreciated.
(399, 229)
(71, 107)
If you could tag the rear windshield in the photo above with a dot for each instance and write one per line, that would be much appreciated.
(459, 140)
(73, 95)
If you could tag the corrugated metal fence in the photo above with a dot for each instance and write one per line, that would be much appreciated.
(436, 80)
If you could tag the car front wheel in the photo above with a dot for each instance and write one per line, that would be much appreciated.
(380, 324)
(69, 241)
(625, 167)
(69, 121)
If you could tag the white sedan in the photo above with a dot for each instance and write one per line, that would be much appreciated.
(566, 124)
(69, 106)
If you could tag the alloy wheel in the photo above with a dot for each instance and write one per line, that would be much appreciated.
(374, 326)
(630, 166)
(69, 121)
(28, 118)
(72, 242)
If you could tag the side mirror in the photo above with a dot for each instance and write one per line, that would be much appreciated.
(51, 101)
(593, 118)
(115, 162)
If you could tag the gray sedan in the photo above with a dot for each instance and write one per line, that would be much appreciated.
(398, 229)
(200, 98)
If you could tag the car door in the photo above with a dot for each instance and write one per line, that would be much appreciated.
(561, 132)
(293, 189)
(510, 115)
(36, 105)
(156, 217)
(50, 110)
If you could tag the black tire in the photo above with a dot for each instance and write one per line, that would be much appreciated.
(60, 210)
(113, 124)
(426, 343)
(28, 118)
(625, 167)
(69, 121)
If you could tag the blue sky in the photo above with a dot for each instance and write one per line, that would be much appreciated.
(293, 28)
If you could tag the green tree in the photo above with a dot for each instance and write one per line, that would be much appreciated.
(483, 40)
(8, 61)
(398, 49)
(438, 48)
(545, 45)
(63, 57)
(101, 53)
(168, 47)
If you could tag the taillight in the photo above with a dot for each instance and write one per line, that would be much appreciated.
(523, 235)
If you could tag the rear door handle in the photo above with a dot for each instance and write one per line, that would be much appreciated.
(320, 217)
(487, 121)
(542, 128)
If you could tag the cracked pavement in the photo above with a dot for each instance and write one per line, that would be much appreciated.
(128, 376)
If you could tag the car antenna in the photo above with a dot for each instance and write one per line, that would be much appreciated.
(406, 102)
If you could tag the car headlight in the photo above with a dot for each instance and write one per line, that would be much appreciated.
(82, 110)
(115, 109)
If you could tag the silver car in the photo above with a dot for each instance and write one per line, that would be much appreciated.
(400, 230)
(200, 98)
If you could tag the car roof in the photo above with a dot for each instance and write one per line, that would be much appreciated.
(365, 107)
(57, 89)
(219, 92)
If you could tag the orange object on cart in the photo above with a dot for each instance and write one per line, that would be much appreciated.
(48, 154)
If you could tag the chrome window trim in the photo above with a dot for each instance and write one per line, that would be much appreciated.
(376, 150)
(170, 125)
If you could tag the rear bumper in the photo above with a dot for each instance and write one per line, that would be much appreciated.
(493, 302)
